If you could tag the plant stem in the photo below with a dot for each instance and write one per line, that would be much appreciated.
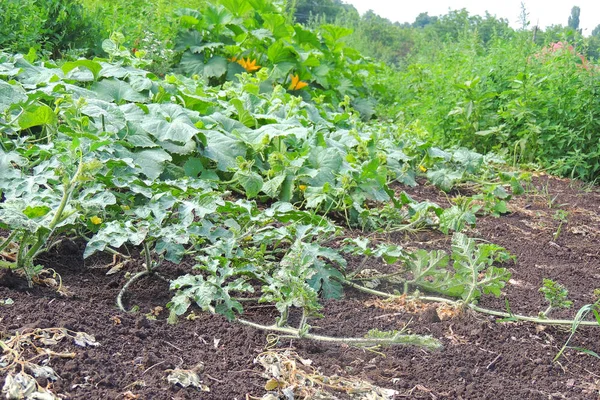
(148, 257)
(457, 303)
(42, 237)
(124, 288)
(8, 240)
(415, 340)
(547, 311)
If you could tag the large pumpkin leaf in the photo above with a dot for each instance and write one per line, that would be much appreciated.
(9, 95)
(117, 91)
(36, 116)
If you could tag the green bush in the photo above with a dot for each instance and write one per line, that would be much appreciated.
(512, 96)
(51, 26)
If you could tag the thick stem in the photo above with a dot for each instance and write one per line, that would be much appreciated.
(20, 262)
(537, 320)
(546, 312)
(283, 318)
(8, 240)
(58, 216)
(302, 324)
(414, 340)
(129, 282)
(149, 265)
(474, 277)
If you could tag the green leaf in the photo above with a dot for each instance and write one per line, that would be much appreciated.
(115, 234)
(117, 91)
(474, 269)
(456, 218)
(150, 161)
(327, 162)
(223, 149)
(36, 116)
(176, 131)
(470, 160)
(90, 65)
(244, 116)
(192, 64)
(280, 52)
(173, 252)
(272, 186)
(36, 212)
(9, 95)
(326, 281)
(216, 67)
(250, 181)
(444, 178)
(193, 167)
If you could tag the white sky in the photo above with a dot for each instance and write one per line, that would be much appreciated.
(542, 12)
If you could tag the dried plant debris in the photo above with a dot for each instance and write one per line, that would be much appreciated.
(25, 361)
(187, 377)
(403, 304)
(292, 377)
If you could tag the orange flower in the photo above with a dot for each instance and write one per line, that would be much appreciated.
(249, 65)
(297, 84)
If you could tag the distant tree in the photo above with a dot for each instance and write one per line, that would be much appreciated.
(329, 9)
(574, 18)
(423, 20)
(524, 17)
(593, 44)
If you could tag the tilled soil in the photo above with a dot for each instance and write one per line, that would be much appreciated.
(481, 358)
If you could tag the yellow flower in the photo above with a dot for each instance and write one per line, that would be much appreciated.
(297, 84)
(249, 65)
(422, 168)
(302, 187)
(96, 220)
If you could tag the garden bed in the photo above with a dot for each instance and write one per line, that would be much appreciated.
(480, 358)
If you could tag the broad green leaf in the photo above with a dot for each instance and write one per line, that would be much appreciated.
(175, 131)
(151, 161)
(470, 160)
(272, 187)
(90, 65)
(115, 234)
(193, 167)
(36, 212)
(327, 162)
(326, 281)
(223, 149)
(107, 116)
(215, 67)
(117, 91)
(444, 178)
(9, 95)
(250, 181)
(173, 252)
(36, 116)
(192, 64)
(280, 52)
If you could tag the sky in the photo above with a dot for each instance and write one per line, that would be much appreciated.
(541, 12)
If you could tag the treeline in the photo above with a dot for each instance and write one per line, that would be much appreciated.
(392, 42)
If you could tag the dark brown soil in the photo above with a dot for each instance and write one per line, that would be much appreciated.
(481, 358)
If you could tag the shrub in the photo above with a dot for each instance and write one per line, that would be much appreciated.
(51, 26)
